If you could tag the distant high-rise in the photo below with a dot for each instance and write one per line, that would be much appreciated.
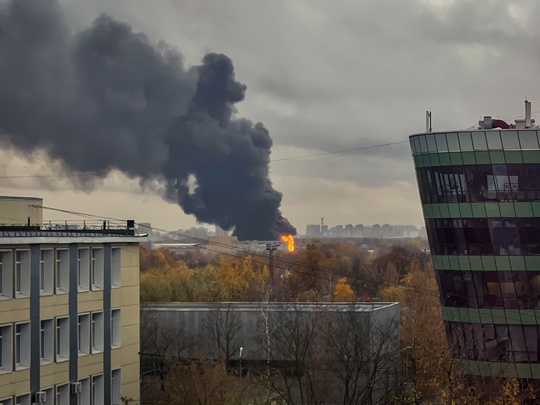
(480, 193)
(313, 230)
(220, 232)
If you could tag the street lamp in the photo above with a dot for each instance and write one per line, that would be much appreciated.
(240, 373)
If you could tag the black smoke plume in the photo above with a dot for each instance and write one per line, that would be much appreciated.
(108, 98)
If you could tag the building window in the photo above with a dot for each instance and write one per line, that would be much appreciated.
(116, 386)
(49, 394)
(83, 398)
(116, 328)
(6, 274)
(46, 273)
(46, 340)
(22, 399)
(97, 390)
(22, 345)
(62, 339)
(96, 269)
(62, 394)
(97, 332)
(62, 271)
(83, 269)
(6, 348)
(116, 266)
(83, 334)
(22, 273)
(6, 401)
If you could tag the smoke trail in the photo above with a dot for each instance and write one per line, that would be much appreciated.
(108, 98)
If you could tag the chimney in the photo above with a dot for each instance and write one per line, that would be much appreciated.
(527, 114)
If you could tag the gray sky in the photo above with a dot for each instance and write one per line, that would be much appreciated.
(325, 76)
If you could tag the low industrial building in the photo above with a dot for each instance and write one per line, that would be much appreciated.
(267, 336)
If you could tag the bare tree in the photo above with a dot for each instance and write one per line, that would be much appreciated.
(362, 355)
(296, 352)
(222, 326)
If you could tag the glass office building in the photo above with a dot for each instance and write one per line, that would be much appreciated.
(480, 193)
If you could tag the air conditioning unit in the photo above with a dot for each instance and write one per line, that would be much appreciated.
(40, 397)
(76, 388)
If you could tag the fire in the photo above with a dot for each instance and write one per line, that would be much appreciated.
(290, 242)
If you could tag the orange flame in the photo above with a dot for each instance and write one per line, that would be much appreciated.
(290, 242)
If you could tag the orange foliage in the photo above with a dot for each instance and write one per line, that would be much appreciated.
(343, 291)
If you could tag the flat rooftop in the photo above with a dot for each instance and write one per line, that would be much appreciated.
(272, 306)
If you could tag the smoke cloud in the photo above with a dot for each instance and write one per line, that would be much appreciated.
(108, 98)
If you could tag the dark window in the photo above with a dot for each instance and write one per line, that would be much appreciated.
(477, 183)
(484, 236)
(490, 289)
(485, 342)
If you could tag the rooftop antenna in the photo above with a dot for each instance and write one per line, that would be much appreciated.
(428, 120)
(527, 113)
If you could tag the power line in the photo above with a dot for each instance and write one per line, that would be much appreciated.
(217, 247)
(294, 266)
(343, 152)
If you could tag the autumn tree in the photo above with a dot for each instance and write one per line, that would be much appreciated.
(204, 382)
(343, 291)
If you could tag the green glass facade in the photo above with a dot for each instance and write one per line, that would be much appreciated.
(480, 193)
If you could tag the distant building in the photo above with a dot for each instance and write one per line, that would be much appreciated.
(358, 231)
(324, 230)
(387, 231)
(220, 232)
(69, 309)
(258, 246)
(361, 231)
(376, 231)
(313, 230)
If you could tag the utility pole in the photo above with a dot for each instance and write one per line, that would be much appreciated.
(271, 247)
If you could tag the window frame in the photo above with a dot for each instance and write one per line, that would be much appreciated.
(6, 348)
(83, 398)
(97, 387)
(22, 399)
(46, 340)
(21, 342)
(96, 268)
(83, 334)
(97, 332)
(61, 335)
(22, 273)
(116, 327)
(116, 267)
(6, 274)
(62, 390)
(61, 271)
(116, 386)
(83, 269)
(46, 271)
